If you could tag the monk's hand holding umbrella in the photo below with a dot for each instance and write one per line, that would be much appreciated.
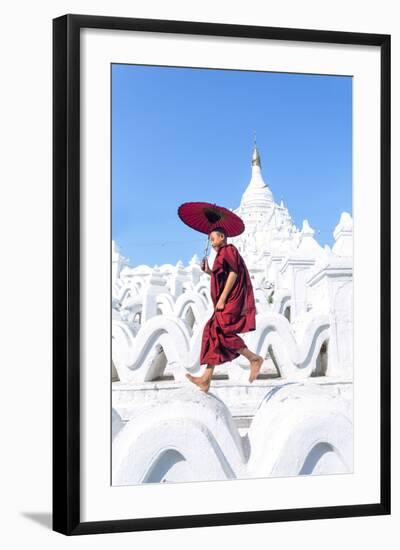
(204, 266)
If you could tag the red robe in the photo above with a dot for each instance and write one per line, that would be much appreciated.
(220, 341)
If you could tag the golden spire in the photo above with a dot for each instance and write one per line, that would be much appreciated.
(256, 159)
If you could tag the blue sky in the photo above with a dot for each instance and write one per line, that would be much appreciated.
(183, 134)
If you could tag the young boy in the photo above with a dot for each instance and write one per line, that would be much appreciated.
(234, 312)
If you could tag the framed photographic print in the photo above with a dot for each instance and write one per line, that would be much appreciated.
(221, 269)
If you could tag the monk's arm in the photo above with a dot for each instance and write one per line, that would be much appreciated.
(205, 267)
(230, 281)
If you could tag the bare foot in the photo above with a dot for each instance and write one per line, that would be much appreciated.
(203, 384)
(255, 366)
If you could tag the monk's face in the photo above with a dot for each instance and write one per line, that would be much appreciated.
(217, 240)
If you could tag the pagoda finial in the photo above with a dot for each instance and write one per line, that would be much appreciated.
(255, 160)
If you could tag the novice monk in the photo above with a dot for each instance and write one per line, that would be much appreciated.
(234, 312)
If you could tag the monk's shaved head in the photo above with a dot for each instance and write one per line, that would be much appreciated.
(220, 231)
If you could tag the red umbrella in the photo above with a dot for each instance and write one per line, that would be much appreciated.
(206, 216)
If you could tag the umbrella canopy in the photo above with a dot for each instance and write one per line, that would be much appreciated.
(205, 216)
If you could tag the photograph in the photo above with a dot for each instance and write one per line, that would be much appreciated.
(203, 219)
(231, 293)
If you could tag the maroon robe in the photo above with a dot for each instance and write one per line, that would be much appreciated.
(220, 341)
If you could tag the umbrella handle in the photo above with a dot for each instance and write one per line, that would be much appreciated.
(206, 248)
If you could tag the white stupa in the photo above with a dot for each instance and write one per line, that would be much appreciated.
(268, 225)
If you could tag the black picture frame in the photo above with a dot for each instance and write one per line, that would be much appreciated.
(66, 274)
